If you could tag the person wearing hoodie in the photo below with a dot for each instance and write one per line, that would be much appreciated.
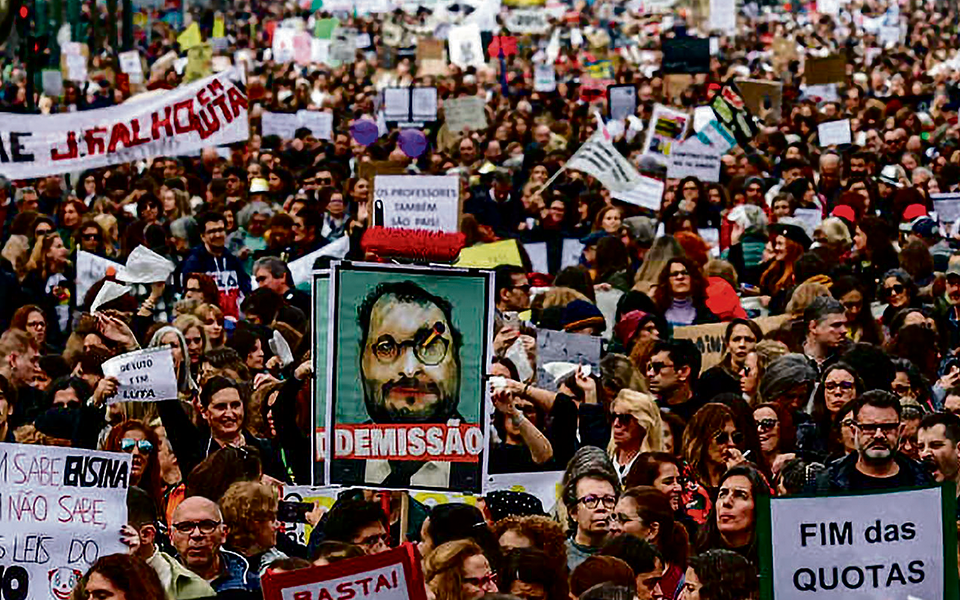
(213, 259)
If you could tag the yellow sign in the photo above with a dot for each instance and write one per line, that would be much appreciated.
(190, 37)
(218, 29)
(488, 256)
(199, 62)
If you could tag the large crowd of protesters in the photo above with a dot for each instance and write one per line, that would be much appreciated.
(856, 387)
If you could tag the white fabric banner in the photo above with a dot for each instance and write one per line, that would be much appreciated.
(206, 113)
(91, 269)
(598, 157)
(62, 510)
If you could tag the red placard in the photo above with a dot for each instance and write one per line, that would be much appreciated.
(391, 575)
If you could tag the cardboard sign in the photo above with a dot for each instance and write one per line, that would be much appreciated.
(161, 125)
(392, 575)
(145, 375)
(762, 97)
(688, 55)
(834, 133)
(488, 256)
(709, 338)
(666, 130)
(897, 544)
(386, 427)
(693, 158)
(830, 69)
(947, 207)
(423, 202)
(62, 510)
(468, 111)
(559, 352)
(431, 57)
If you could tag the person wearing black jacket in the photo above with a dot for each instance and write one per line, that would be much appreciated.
(224, 410)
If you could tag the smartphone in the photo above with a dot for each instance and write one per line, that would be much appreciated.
(511, 319)
(293, 512)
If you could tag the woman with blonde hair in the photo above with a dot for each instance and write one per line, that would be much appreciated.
(212, 318)
(458, 570)
(636, 428)
(755, 365)
(111, 232)
(50, 283)
(250, 513)
(196, 336)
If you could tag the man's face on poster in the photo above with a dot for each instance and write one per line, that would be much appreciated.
(410, 366)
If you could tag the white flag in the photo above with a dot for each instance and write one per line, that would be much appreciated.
(599, 158)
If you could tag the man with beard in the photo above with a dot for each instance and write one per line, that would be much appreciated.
(938, 442)
(948, 306)
(410, 374)
(876, 465)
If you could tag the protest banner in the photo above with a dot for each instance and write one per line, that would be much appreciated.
(466, 49)
(488, 256)
(199, 62)
(723, 16)
(709, 338)
(392, 575)
(693, 158)
(559, 353)
(893, 544)
(830, 69)
(834, 133)
(667, 128)
(209, 112)
(62, 510)
(418, 346)
(545, 485)
(648, 193)
(404, 104)
(426, 202)
(688, 55)
(431, 57)
(544, 77)
(467, 111)
(301, 268)
(285, 125)
(145, 375)
(527, 21)
(91, 269)
(811, 217)
(131, 65)
(52, 82)
(947, 207)
(537, 253)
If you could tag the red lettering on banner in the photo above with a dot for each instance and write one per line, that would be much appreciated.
(302, 596)
(208, 123)
(365, 582)
(237, 101)
(95, 144)
(382, 583)
(191, 116)
(215, 87)
(120, 134)
(446, 443)
(202, 97)
(166, 123)
(73, 149)
(221, 103)
(346, 591)
(324, 595)
(136, 140)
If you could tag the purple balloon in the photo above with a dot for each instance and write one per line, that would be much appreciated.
(413, 142)
(364, 131)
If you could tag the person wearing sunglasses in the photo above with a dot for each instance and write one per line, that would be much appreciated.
(137, 439)
(876, 465)
(712, 444)
(899, 291)
(777, 435)
(459, 570)
(636, 428)
(672, 373)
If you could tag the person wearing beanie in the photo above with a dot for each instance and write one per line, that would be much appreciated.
(825, 325)
(583, 317)
(591, 489)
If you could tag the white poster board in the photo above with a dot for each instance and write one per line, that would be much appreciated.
(466, 48)
(426, 202)
(666, 130)
(145, 375)
(834, 133)
(460, 113)
(693, 158)
(62, 509)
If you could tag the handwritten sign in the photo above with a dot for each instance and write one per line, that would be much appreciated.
(460, 113)
(709, 338)
(62, 509)
(426, 202)
(392, 575)
(145, 375)
(834, 133)
(899, 544)
(696, 159)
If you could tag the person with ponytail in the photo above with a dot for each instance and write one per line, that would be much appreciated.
(646, 512)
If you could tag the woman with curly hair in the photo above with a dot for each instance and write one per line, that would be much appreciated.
(542, 533)
(250, 514)
(720, 575)
(141, 442)
(459, 570)
(681, 294)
